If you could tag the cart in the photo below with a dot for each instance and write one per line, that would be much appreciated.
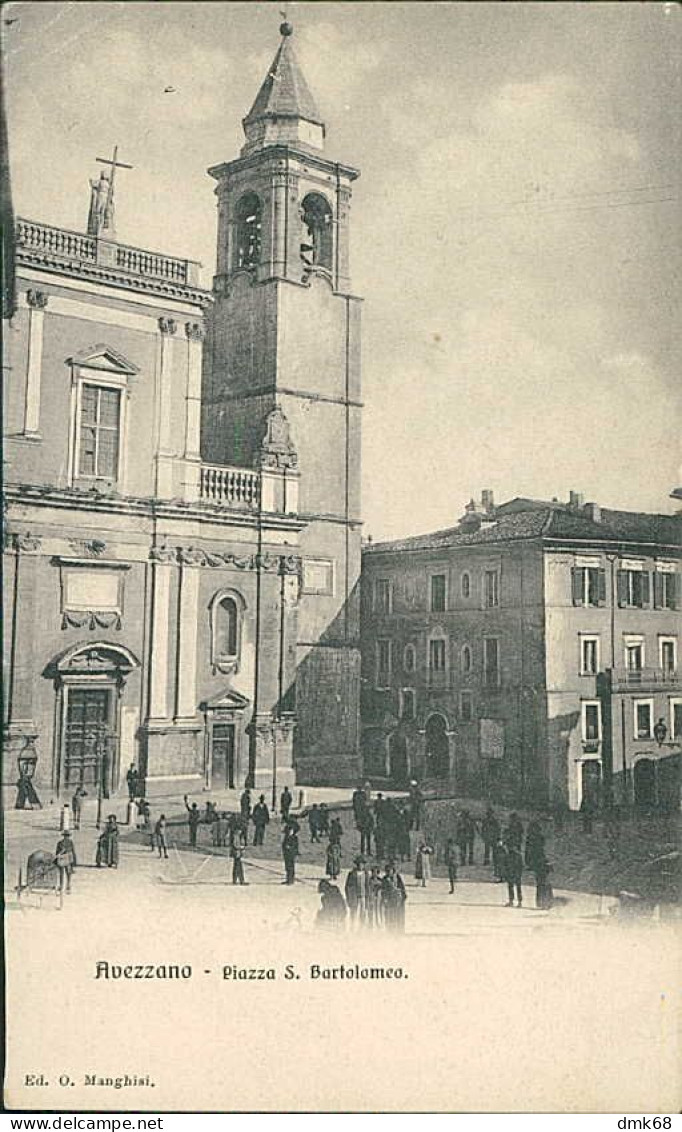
(42, 875)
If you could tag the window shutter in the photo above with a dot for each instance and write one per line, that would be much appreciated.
(577, 585)
(658, 590)
(622, 587)
(601, 586)
(672, 591)
(646, 587)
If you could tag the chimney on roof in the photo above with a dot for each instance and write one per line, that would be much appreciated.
(487, 500)
(575, 499)
(593, 512)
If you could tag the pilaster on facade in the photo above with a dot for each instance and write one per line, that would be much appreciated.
(186, 663)
(159, 653)
(37, 302)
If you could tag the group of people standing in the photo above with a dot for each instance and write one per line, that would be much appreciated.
(505, 850)
(372, 900)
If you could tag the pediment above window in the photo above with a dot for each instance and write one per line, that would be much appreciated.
(103, 357)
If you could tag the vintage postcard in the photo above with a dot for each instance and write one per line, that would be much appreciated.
(342, 557)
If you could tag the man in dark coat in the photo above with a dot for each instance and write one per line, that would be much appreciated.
(65, 859)
(451, 862)
(513, 834)
(193, 819)
(535, 845)
(159, 836)
(358, 802)
(323, 825)
(77, 806)
(237, 854)
(133, 780)
(245, 805)
(260, 818)
(490, 832)
(366, 828)
(466, 832)
(356, 890)
(544, 897)
(285, 800)
(513, 870)
(314, 823)
(290, 852)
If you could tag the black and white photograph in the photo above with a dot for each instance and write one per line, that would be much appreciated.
(342, 561)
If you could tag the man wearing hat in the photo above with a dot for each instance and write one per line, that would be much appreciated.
(65, 860)
(357, 884)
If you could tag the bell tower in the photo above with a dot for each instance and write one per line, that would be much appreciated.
(285, 334)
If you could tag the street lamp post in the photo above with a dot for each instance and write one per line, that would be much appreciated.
(99, 770)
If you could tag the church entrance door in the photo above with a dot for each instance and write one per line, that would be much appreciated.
(223, 746)
(88, 738)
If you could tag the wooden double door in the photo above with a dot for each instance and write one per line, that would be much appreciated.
(89, 739)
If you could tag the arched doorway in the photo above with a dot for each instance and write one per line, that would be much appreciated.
(437, 747)
(398, 767)
(591, 783)
(89, 681)
(645, 784)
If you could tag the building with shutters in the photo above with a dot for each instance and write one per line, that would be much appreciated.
(182, 469)
(530, 653)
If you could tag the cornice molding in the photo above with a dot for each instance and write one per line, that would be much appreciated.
(203, 512)
(113, 277)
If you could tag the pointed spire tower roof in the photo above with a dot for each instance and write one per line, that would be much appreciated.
(284, 111)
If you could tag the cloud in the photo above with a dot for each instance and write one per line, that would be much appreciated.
(126, 71)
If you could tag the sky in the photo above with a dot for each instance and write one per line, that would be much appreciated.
(516, 230)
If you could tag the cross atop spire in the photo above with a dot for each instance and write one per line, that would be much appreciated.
(284, 110)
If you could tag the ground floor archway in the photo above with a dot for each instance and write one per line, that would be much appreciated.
(437, 747)
(398, 761)
(644, 780)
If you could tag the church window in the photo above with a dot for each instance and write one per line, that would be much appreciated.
(316, 243)
(248, 231)
(99, 432)
(226, 631)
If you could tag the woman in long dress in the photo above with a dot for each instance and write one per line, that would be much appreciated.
(107, 846)
(422, 865)
(333, 860)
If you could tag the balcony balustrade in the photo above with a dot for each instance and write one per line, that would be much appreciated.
(76, 246)
(642, 679)
(230, 487)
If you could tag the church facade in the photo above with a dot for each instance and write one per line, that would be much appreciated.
(182, 503)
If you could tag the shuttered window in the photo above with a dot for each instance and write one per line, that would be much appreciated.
(634, 588)
(438, 593)
(665, 590)
(100, 413)
(588, 585)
